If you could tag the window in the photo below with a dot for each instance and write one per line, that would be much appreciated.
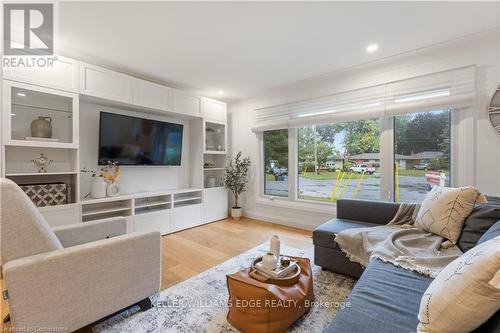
(421, 154)
(276, 162)
(339, 160)
(342, 160)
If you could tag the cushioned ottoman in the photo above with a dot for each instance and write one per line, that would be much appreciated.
(260, 307)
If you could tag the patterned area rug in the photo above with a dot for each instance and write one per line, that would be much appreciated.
(199, 304)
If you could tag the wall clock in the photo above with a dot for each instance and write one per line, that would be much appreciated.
(494, 110)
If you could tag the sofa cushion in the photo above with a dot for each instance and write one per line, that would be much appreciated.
(445, 209)
(465, 294)
(478, 222)
(385, 299)
(324, 235)
(491, 233)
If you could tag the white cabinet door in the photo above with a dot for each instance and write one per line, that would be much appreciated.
(153, 221)
(214, 110)
(57, 216)
(215, 204)
(152, 95)
(186, 104)
(103, 83)
(187, 216)
(63, 74)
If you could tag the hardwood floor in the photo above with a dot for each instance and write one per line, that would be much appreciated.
(190, 252)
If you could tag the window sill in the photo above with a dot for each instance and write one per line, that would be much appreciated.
(298, 205)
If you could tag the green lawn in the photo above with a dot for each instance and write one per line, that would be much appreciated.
(328, 175)
(314, 198)
(417, 173)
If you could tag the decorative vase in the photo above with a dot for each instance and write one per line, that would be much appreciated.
(275, 246)
(236, 213)
(113, 190)
(269, 261)
(98, 188)
(210, 181)
(42, 127)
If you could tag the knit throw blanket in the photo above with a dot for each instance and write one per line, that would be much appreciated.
(399, 243)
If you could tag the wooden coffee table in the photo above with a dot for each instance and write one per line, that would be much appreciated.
(261, 307)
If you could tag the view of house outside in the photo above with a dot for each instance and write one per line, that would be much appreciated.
(342, 160)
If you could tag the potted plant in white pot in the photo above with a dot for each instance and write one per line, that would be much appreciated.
(236, 180)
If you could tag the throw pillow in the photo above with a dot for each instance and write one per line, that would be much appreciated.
(444, 210)
(465, 293)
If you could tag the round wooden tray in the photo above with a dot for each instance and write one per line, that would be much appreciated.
(288, 280)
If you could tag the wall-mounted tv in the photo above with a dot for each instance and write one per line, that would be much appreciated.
(136, 141)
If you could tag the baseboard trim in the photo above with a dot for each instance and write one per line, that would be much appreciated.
(279, 220)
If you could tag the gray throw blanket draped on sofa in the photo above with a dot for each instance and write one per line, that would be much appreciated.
(399, 243)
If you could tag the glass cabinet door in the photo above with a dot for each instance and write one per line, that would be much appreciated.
(39, 115)
(215, 137)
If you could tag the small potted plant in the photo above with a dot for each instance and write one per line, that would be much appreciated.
(236, 180)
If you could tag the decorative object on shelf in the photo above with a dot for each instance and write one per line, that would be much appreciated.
(210, 181)
(269, 261)
(111, 171)
(113, 190)
(104, 181)
(41, 127)
(41, 162)
(236, 180)
(494, 110)
(209, 165)
(98, 187)
(275, 246)
(47, 194)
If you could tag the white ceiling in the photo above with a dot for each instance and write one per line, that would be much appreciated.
(246, 48)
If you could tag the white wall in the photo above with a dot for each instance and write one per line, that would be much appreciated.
(481, 50)
(133, 178)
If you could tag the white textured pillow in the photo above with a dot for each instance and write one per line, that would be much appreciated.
(445, 209)
(465, 293)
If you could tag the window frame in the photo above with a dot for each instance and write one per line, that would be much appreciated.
(461, 168)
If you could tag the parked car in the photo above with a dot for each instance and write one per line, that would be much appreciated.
(362, 168)
(421, 166)
(279, 171)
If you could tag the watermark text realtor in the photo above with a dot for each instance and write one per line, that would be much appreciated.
(28, 35)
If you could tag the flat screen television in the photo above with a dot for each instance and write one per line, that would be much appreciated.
(136, 141)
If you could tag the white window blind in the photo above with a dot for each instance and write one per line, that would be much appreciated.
(451, 89)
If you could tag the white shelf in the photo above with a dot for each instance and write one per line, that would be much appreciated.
(42, 144)
(41, 173)
(139, 195)
(106, 210)
(213, 169)
(149, 209)
(151, 204)
(186, 199)
(215, 152)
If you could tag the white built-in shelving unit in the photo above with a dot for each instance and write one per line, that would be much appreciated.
(56, 93)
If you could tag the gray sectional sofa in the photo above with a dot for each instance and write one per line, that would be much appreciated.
(386, 298)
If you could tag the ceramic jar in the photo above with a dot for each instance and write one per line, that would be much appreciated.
(269, 261)
(41, 127)
(98, 188)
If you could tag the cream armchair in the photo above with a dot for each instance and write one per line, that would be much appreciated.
(72, 276)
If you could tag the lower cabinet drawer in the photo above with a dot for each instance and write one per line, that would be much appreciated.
(188, 216)
(153, 221)
(60, 215)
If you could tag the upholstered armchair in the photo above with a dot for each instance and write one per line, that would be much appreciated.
(72, 276)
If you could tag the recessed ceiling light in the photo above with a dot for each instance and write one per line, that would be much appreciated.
(220, 92)
(21, 94)
(372, 48)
